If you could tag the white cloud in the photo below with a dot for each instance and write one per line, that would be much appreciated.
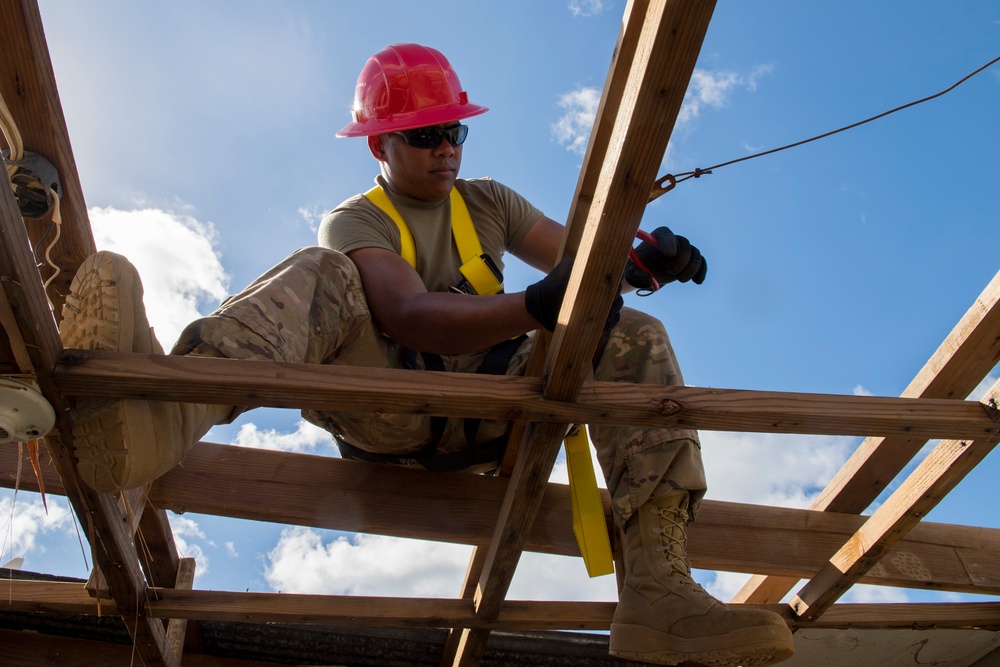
(586, 7)
(772, 469)
(756, 73)
(313, 215)
(365, 565)
(865, 593)
(860, 390)
(572, 130)
(175, 256)
(305, 438)
(712, 90)
(23, 524)
(707, 90)
(302, 562)
(546, 577)
(727, 584)
(184, 530)
(724, 585)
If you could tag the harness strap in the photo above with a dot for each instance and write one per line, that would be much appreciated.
(477, 268)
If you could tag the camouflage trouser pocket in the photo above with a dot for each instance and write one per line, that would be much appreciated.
(377, 432)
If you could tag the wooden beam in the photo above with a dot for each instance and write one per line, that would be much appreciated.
(938, 474)
(25, 596)
(942, 469)
(670, 38)
(615, 85)
(349, 495)
(354, 496)
(457, 645)
(158, 552)
(733, 537)
(111, 544)
(177, 627)
(60, 597)
(12, 345)
(518, 614)
(29, 88)
(521, 614)
(317, 386)
(906, 616)
(963, 359)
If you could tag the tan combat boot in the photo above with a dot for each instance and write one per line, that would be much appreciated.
(664, 617)
(122, 444)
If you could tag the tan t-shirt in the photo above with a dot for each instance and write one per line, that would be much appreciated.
(501, 218)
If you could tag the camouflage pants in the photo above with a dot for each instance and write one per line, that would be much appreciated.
(311, 308)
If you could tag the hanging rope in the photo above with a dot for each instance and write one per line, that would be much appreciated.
(10, 133)
(35, 183)
(667, 183)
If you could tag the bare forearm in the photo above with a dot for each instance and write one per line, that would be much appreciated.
(447, 323)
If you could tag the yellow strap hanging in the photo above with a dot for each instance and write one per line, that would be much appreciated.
(589, 525)
(474, 264)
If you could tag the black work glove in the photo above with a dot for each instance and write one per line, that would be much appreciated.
(544, 298)
(672, 258)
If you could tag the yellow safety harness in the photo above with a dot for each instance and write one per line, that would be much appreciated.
(477, 268)
(482, 276)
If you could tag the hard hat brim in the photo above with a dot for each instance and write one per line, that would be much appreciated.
(411, 121)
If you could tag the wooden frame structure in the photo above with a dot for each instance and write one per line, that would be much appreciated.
(138, 573)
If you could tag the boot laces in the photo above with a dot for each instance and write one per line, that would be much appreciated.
(672, 529)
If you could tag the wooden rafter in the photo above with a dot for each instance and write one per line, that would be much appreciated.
(963, 359)
(274, 384)
(667, 38)
(177, 603)
(330, 493)
(28, 85)
(455, 650)
(948, 463)
(112, 546)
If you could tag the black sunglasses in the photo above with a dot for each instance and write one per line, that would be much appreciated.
(430, 137)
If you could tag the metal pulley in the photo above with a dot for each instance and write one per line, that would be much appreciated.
(34, 179)
(24, 412)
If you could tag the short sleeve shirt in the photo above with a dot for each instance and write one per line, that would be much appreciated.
(501, 217)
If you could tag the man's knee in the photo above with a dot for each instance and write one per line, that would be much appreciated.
(323, 260)
(635, 322)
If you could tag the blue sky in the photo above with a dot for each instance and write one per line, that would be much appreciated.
(204, 138)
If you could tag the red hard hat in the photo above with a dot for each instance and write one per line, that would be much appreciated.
(406, 86)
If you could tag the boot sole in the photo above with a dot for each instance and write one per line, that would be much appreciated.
(100, 313)
(99, 436)
(106, 320)
(747, 647)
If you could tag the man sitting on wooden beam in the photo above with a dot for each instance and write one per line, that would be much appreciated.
(409, 275)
